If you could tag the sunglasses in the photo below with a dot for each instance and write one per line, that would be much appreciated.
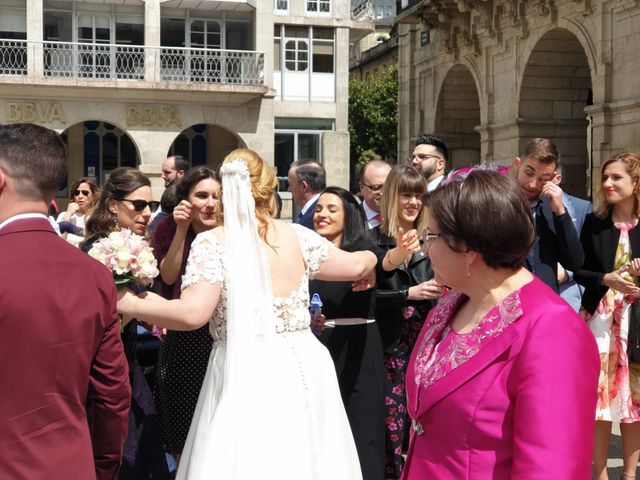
(140, 205)
(86, 193)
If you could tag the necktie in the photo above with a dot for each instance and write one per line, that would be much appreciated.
(298, 218)
(378, 218)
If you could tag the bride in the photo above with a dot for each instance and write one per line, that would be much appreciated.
(269, 407)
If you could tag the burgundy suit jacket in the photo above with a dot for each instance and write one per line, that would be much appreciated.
(61, 357)
(522, 408)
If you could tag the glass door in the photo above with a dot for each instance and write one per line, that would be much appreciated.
(205, 36)
(95, 59)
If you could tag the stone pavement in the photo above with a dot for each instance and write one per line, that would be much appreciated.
(614, 465)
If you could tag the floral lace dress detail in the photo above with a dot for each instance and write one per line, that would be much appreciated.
(438, 355)
(207, 262)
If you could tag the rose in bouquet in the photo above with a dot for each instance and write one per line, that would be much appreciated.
(127, 256)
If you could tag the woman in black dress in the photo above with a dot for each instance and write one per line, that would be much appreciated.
(125, 202)
(183, 358)
(350, 333)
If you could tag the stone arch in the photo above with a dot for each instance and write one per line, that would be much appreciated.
(458, 115)
(205, 144)
(96, 147)
(556, 87)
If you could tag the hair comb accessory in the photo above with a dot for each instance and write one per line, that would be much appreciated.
(460, 174)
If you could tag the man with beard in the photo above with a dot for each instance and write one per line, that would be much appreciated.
(430, 157)
(558, 242)
(173, 169)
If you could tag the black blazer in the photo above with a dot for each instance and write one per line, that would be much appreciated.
(559, 244)
(392, 289)
(600, 240)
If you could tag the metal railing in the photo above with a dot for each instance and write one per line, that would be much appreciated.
(201, 65)
(91, 60)
(127, 62)
(13, 57)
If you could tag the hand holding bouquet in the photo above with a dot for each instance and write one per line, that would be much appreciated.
(128, 257)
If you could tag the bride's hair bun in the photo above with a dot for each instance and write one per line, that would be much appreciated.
(263, 184)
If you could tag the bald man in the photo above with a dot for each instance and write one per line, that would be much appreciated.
(372, 177)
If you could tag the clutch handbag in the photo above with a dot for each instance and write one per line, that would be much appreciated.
(633, 339)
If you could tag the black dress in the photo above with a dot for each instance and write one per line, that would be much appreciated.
(184, 356)
(358, 356)
(144, 456)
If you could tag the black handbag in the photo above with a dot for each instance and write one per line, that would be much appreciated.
(633, 338)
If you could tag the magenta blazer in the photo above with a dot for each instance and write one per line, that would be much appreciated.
(522, 407)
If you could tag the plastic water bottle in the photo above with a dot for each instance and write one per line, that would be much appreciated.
(315, 309)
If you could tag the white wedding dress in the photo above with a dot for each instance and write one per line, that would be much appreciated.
(291, 423)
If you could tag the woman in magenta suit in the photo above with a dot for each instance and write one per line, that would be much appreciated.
(501, 381)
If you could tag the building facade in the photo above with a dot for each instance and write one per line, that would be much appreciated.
(379, 49)
(488, 75)
(129, 82)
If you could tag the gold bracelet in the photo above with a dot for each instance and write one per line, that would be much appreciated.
(388, 257)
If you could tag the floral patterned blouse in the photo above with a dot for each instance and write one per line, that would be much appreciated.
(438, 355)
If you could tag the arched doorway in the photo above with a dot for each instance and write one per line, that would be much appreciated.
(205, 144)
(95, 149)
(457, 115)
(556, 87)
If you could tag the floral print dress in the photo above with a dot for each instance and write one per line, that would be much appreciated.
(619, 381)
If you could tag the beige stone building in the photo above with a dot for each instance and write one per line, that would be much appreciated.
(129, 82)
(487, 75)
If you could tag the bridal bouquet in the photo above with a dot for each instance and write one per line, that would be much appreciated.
(128, 256)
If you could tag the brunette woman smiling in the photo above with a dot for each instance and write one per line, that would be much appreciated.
(351, 335)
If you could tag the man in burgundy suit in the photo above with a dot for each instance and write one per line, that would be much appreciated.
(64, 380)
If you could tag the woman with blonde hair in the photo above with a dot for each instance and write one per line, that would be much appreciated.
(611, 242)
(405, 296)
(270, 405)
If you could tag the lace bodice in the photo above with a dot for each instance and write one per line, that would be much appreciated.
(207, 262)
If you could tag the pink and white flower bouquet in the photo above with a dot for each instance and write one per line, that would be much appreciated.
(128, 256)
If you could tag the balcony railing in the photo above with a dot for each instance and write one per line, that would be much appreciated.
(13, 57)
(200, 65)
(127, 62)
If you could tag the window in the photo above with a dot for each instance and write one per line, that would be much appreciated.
(297, 139)
(106, 148)
(322, 50)
(296, 49)
(281, 6)
(425, 37)
(319, 6)
(277, 44)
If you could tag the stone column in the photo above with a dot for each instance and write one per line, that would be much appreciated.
(152, 39)
(35, 28)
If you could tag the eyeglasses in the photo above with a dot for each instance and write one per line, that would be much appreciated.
(428, 237)
(140, 205)
(424, 156)
(373, 188)
(86, 193)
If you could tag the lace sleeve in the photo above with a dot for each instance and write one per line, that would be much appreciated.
(315, 249)
(205, 261)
